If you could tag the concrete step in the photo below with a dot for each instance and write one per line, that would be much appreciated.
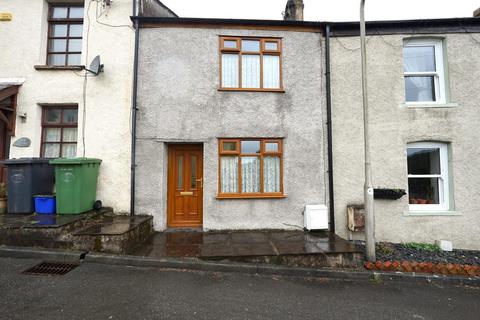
(49, 231)
(114, 234)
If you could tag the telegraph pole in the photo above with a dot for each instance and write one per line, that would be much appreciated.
(367, 188)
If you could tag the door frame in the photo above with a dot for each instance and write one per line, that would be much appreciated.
(170, 183)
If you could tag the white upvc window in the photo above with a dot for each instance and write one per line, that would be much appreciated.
(424, 72)
(428, 187)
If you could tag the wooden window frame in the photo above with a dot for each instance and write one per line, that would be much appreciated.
(60, 125)
(262, 52)
(261, 155)
(63, 21)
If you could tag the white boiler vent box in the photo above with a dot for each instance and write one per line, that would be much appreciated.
(315, 217)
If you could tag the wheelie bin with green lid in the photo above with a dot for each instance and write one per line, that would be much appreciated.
(76, 184)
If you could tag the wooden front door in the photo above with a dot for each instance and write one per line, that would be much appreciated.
(185, 185)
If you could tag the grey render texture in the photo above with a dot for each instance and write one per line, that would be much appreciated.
(178, 101)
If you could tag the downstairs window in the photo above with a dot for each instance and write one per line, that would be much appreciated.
(428, 187)
(250, 168)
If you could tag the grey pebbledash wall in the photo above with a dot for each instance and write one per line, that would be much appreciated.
(393, 125)
(178, 101)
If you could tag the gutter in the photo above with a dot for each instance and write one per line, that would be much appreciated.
(134, 116)
(329, 130)
(200, 21)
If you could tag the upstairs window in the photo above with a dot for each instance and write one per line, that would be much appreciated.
(428, 176)
(65, 29)
(424, 71)
(252, 64)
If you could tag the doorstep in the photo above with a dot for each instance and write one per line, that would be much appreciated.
(292, 248)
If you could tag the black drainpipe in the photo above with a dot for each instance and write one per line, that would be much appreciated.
(329, 129)
(134, 115)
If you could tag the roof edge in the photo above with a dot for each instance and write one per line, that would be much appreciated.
(180, 20)
(351, 28)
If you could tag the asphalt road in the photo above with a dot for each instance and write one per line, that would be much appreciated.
(94, 291)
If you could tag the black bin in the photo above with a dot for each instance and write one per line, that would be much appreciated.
(27, 177)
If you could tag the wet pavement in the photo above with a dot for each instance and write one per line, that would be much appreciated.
(247, 243)
(19, 221)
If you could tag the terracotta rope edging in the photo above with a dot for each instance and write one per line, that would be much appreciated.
(425, 267)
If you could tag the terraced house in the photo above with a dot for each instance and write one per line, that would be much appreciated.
(244, 123)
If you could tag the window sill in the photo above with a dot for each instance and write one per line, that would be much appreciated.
(252, 90)
(251, 196)
(431, 213)
(430, 105)
(56, 68)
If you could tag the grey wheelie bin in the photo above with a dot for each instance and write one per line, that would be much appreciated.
(27, 177)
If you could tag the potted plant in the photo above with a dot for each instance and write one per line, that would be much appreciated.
(3, 198)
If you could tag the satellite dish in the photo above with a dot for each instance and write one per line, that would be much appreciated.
(95, 67)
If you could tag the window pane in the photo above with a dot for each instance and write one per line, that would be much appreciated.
(70, 116)
(250, 174)
(230, 70)
(76, 30)
(59, 12)
(193, 172)
(271, 72)
(52, 134)
(75, 45)
(57, 45)
(419, 59)
(69, 150)
(251, 45)
(229, 146)
(271, 174)
(230, 44)
(250, 71)
(229, 174)
(74, 59)
(250, 147)
(76, 12)
(180, 172)
(56, 59)
(273, 46)
(51, 150)
(419, 88)
(423, 190)
(58, 30)
(52, 115)
(70, 134)
(271, 147)
(423, 160)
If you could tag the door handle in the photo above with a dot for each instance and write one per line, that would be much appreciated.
(201, 182)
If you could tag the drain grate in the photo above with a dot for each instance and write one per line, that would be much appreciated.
(50, 269)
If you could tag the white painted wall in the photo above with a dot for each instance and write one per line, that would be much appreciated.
(107, 134)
